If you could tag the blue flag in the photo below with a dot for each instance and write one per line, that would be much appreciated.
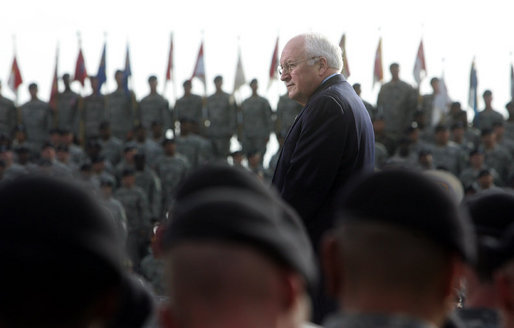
(101, 76)
(473, 88)
(127, 72)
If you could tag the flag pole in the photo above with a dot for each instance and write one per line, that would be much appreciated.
(16, 99)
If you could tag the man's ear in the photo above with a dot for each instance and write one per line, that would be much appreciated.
(331, 261)
(323, 65)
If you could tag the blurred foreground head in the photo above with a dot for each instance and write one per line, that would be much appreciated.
(236, 254)
(61, 260)
(399, 247)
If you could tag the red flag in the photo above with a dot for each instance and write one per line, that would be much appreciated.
(169, 69)
(378, 71)
(55, 86)
(420, 69)
(15, 79)
(80, 69)
(274, 63)
(346, 67)
(199, 70)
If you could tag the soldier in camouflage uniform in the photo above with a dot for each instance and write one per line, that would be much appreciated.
(171, 168)
(256, 122)
(496, 157)
(488, 116)
(67, 107)
(136, 207)
(122, 107)
(190, 106)
(147, 146)
(447, 154)
(221, 115)
(112, 147)
(154, 108)
(36, 116)
(93, 111)
(113, 206)
(287, 110)
(195, 148)
(8, 115)
(149, 182)
(397, 102)
(395, 253)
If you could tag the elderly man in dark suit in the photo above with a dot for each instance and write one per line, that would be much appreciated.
(331, 140)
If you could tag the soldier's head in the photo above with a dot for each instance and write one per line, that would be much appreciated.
(60, 259)
(140, 133)
(98, 164)
(218, 82)
(442, 134)
(168, 145)
(128, 178)
(476, 158)
(485, 179)
(488, 138)
(400, 243)
(510, 109)
(55, 136)
(394, 68)
(48, 152)
(33, 90)
(106, 186)
(488, 98)
(259, 256)
(66, 79)
(118, 76)
(152, 82)
(254, 158)
(62, 153)
(156, 127)
(187, 85)
(254, 85)
(457, 131)
(434, 83)
(129, 152)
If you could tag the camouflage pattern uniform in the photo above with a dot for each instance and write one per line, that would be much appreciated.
(67, 107)
(36, 115)
(150, 183)
(189, 107)
(154, 108)
(449, 156)
(397, 102)
(486, 118)
(221, 113)
(256, 124)
(93, 113)
(121, 108)
(112, 149)
(287, 110)
(8, 116)
(171, 170)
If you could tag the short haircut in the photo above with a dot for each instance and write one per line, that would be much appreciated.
(319, 45)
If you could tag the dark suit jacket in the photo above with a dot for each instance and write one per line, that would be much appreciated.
(330, 141)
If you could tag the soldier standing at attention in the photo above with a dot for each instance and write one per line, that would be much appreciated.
(93, 111)
(154, 108)
(67, 107)
(488, 116)
(287, 110)
(221, 114)
(36, 115)
(8, 115)
(121, 106)
(189, 106)
(256, 123)
(397, 101)
(136, 207)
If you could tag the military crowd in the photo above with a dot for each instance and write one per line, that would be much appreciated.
(117, 147)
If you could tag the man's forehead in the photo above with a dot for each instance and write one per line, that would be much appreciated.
(293, 49)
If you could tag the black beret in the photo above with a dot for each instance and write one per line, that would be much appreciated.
(239, 217)
(410, 200)
(277, 229)
(58, 245)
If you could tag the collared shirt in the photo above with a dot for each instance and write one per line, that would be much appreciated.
(328, 77)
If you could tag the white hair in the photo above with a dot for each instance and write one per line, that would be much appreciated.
(319, 45)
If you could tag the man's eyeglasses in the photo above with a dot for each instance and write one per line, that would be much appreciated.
(289, 67)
